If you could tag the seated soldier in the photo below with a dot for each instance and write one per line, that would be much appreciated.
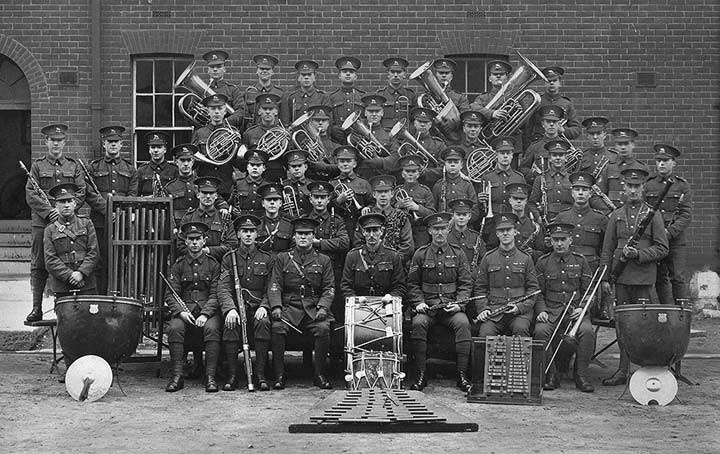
(252, 274)
(439, 285)
(504, 274)
(193, 277)
(560, 273)
(302, 288)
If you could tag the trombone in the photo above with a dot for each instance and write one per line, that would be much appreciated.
(570, 334)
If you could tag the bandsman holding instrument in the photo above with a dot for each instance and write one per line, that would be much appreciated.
(266, 133)
(569, 127)
(245, 198)
(155, 174)
(439, 286)
(505, 284)
(46, 172)
(551, 189)
(530, 229)
(444, 70)
(610, 181)
(193, 304)
(564, 277)
(216, 69)
(414, 197)
(345, 99)
(299, 101)
(113, 176)
(676, 211)
(275, 230)
(352, 192)
(461, 235)
(267, 107)
(398, 230)
(216, 106)
(632, 265)
(384, 160)
(535, 160)
(251, 270)
(399, 97)
(597, 156)
(373, 269)
(265, 70)
(220, 237)
(452, 185)
(71, 249)
(422, 121)
(472, 122)
(296, 163)
(302, 288)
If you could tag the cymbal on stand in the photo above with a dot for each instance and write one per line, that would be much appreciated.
(88, 378)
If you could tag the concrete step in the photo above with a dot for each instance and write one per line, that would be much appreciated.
(14, 226)
(17, 239)
(14, 254)
(13, 269)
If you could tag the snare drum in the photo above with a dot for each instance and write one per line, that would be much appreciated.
(378, 370)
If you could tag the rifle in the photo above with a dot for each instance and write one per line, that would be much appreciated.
(508, 305)
(243, 323)
(88, 177)
(177, 298)
(36, 186)
(639, 230)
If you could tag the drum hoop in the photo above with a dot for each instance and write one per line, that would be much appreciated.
(96, 299)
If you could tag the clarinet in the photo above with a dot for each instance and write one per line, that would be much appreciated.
(443, 192)
(36, 185)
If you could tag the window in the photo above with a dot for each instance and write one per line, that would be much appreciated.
(155, 103)
(471, 75)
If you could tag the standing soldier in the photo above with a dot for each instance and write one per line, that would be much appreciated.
(420, 129)
(265, 71)
(351, 191)
(155, 174)
(253, 275)
(399, 97)
(373, 269)
(610, 181)
(530, 230)
(52, 169)
(535, 160)
(268, 112)
(71, 247)
(470, 139)
(551, 190)
(216, 105)
(220, 237)
(216, 69)
(452, 185)
(560, 273)
(373, 114)
(296, 165)
(439, 285)
(398, 232)
(420, 202)
(504, 274)
(593, 157)
(114, 176)
(469, 240)
(570, 127)
(245, 198)
(444, 70)
(275, 230)
(676, 211)
(345, 99)
(194, 277)
(301, 294)
(637, 279)
(299, 101)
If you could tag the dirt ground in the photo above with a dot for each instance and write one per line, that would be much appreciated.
(37, 415)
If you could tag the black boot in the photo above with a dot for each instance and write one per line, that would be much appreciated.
(37, 286)
(176, 381)
(321, 382)
(463, 382)
(197, 369)
(322, 345)
(621, 375)
(420, 381)
(551, 379)
(231, 356)
(583, 384)
(278, 351)
(212, 351)
(261, 351)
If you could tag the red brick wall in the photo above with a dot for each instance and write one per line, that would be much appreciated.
(602, 45)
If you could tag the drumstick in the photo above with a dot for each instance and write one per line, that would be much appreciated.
(290, 325)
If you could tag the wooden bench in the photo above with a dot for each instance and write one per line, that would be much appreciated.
(52, 323)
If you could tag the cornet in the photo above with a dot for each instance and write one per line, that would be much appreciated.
(349, 203)
(290, 205)
(487, 189)
(401, 194)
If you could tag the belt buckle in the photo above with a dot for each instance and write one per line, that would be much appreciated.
(372, 291)
(302, 291)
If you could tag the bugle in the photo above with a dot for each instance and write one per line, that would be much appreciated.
(190, 104)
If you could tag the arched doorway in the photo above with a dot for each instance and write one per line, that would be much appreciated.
(15, 139)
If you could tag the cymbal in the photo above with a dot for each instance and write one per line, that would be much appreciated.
(653, 386)
(88, 378)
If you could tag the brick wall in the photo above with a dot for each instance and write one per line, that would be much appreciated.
(602, 45)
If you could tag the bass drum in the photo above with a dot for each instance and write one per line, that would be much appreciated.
(106, 326)
(653, 334)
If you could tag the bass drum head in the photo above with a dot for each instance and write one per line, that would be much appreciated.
(653, 386)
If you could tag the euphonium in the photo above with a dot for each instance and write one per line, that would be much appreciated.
(362, 138)
(312, 145)
(412, 146)
(448, 115)
(222, 145)
(515, 100)
(290, 201)
(276, 140)
(190, 103)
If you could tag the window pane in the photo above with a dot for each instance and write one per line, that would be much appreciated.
(459, 79)
(163, 110)
(180, 119)
(163, 76)
(144, 76)
(179, 137)
(142, 148)
(476, 76)
(143, 111)
(180, 66)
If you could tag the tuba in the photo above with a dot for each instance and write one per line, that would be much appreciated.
(223, 144)
(276, 140)
(412, 146)
(447, 119)
(362, 138)
(515, 100)
(190, 103)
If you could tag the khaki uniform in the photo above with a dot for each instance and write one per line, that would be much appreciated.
(71, 245)
(221, 236)
(146, 176)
